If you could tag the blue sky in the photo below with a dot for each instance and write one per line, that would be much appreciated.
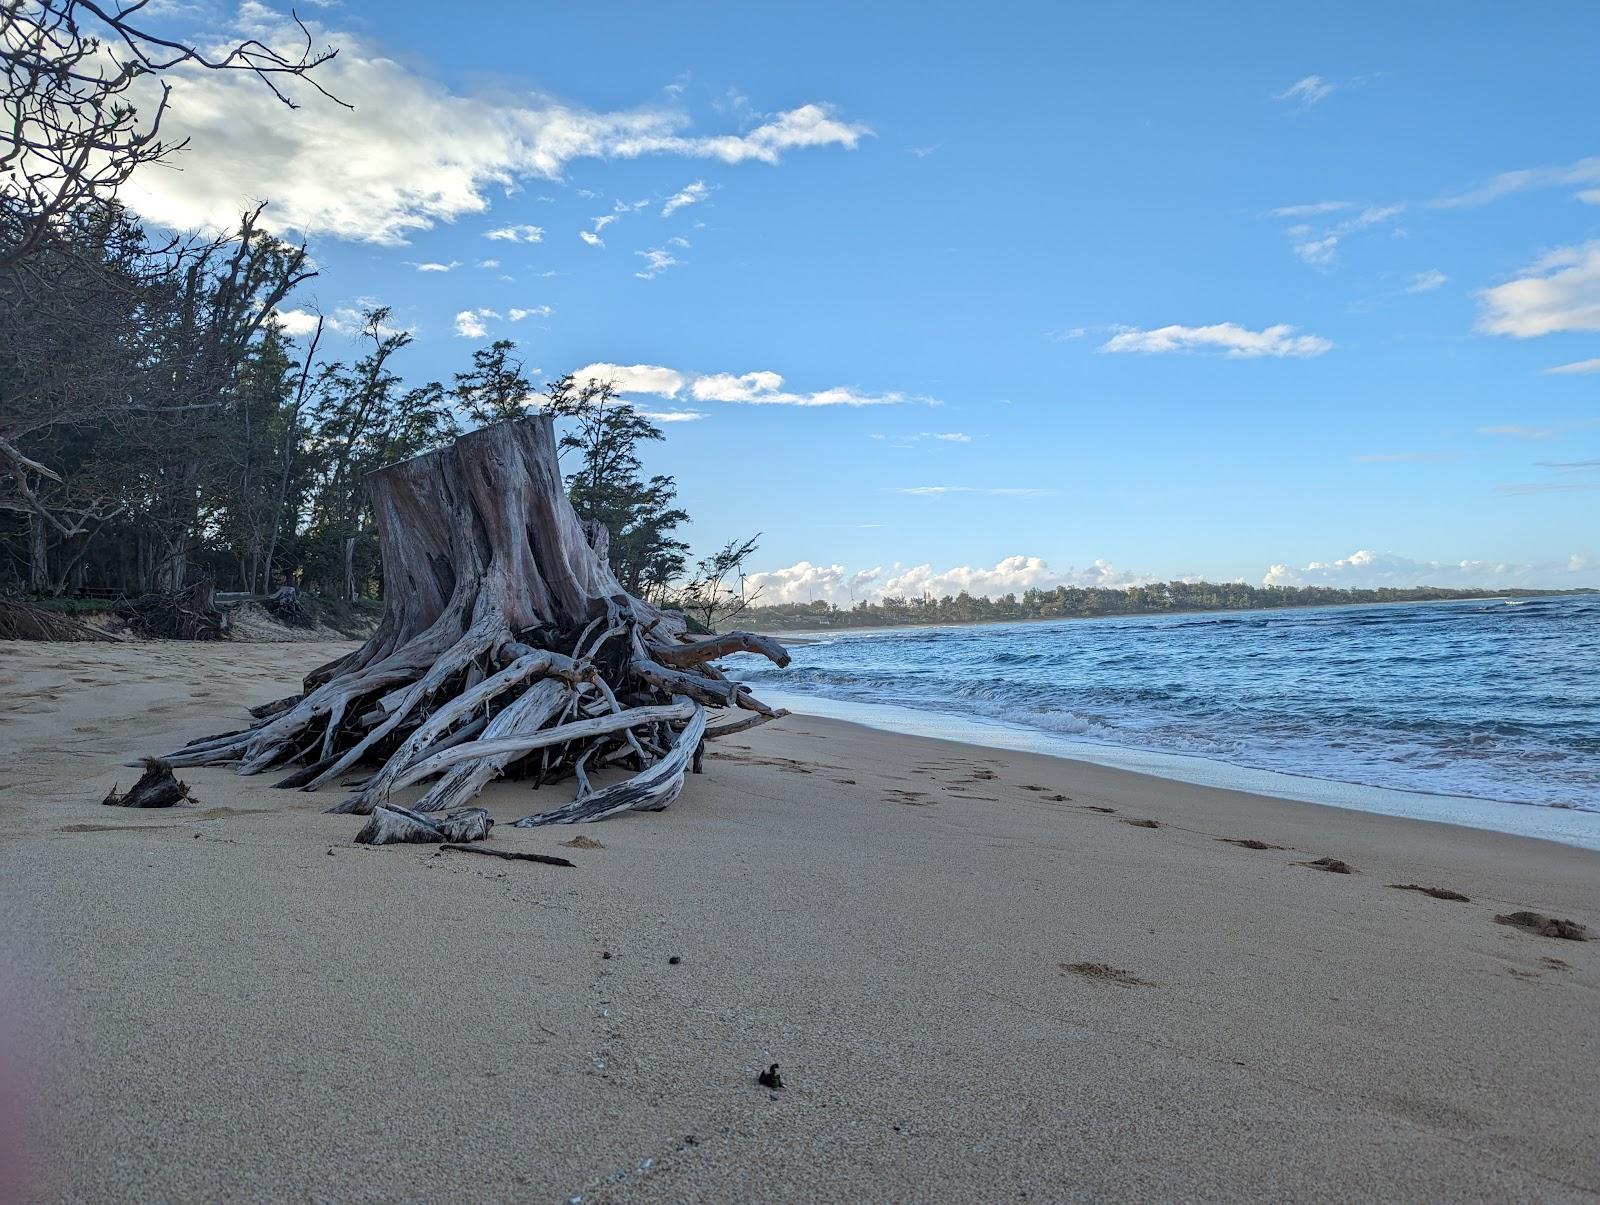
(1098, 293)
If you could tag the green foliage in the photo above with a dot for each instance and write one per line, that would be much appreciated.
(1079, 602)
(496, 389)
(607, 486)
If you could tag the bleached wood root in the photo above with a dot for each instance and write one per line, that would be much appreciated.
(651, 790)
(507, 647)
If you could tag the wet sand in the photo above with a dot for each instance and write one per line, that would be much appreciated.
(985, 975)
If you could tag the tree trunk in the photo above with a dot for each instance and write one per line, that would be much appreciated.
(38, 554)
(507, 646)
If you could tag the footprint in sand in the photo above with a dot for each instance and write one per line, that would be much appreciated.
(1331, 865)
(1142, 823)
(1249, 843)
(1438, 893)
(916, 799)
(1102, 973)
(1094, 807)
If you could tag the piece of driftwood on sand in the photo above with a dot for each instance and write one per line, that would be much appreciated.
(507, 647)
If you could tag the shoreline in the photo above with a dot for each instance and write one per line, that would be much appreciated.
(985, 974)
(1564, 825)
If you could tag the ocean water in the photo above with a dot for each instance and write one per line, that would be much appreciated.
(1483, 700)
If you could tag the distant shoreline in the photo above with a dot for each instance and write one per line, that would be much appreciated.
(809, 635)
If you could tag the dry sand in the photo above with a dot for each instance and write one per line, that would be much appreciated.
(979, 981)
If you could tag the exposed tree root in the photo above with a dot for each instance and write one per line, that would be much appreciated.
(507, 647)
(22, 621)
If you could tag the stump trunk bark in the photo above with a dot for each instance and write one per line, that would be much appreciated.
(507, 646)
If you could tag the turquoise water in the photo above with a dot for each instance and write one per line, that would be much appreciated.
(1487, 700)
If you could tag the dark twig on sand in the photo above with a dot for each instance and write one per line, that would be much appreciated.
(511, 855)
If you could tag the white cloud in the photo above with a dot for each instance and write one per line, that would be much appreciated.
(1307, 91)
(594, 240)
(537, 311)
(656, 261)
(693, 194)
(752, 388)
(1234, 341)
(438, 267)
(600, 223)
(1559, 292)
(470, 323)
(805, 582)
(488, 263)
(1368, 570)
(297, 322)
(516, 234)
(412, 152)
(672, 416)
(1583, 171)
(1067, 334)
(678, 240)
(636, 378)
(1425, 282)
(1580, 366)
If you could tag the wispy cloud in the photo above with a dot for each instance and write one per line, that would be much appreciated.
(693, 194)
(534, 311)
(594, 240)
(1518, 488)
(436, 267)
(1567, 464)
(423, 153)
(1318, 245)
(1513, 431)
(1308, 91)
(750, 388)
(1068, 333)
(1314, 209)
(1426, 282)
(515, 234)
(1558, 292)
(934, 491)
(1404, 457)
(1583, 171)
(656, 261)
(949, 437)
(1575, 368)
(1232, 340)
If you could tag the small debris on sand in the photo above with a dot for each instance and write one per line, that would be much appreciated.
(1249, 843)
(1103, 973)
(1438, 893)
(1545, 926)
(582, 842)
(770, 1078)
(674, 961)
(1332, 865)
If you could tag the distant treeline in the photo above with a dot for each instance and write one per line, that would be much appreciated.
(1076, 602)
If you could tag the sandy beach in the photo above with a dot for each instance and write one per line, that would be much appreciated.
(985, 976)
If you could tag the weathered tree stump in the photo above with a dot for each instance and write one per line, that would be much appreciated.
(507, 647)
(156, 788)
